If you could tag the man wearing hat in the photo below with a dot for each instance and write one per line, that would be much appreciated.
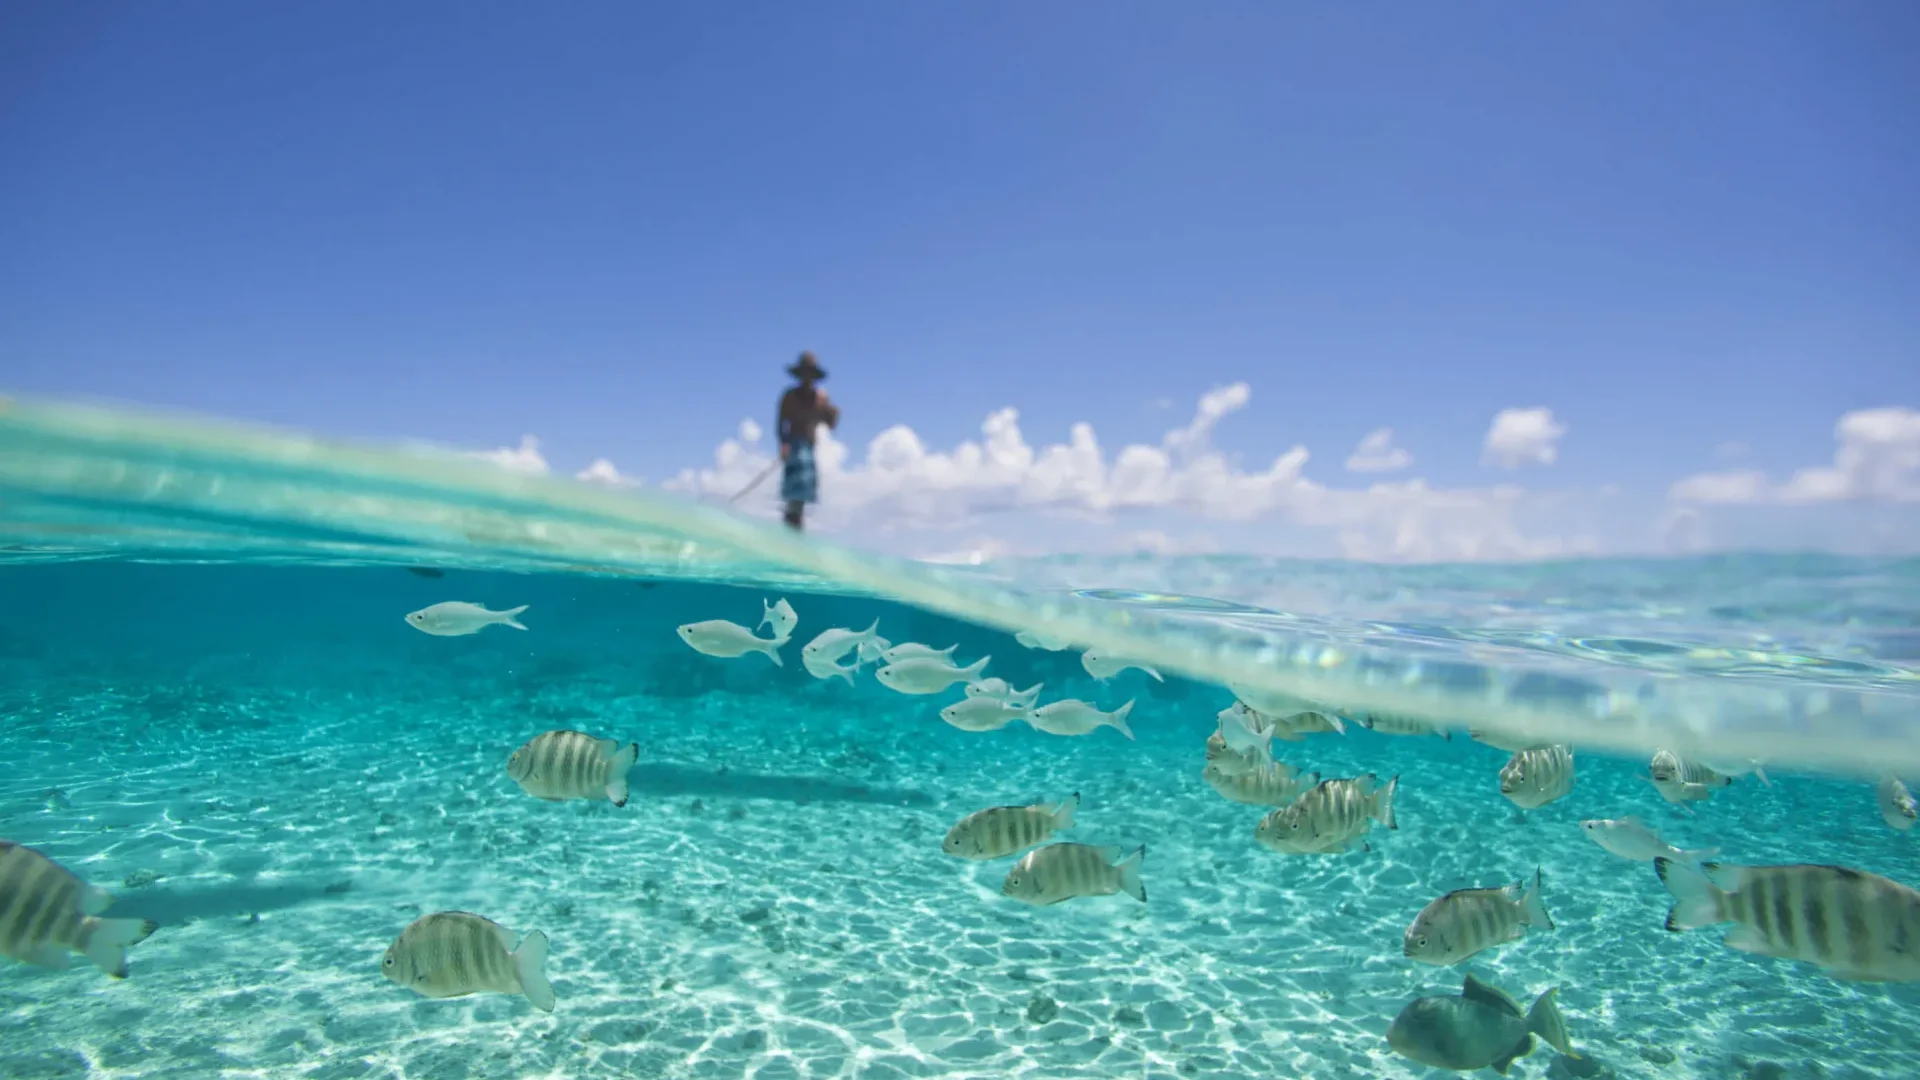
(803, 408)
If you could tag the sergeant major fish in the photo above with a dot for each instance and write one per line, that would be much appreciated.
(1682, 781)
(1272, 784)
(1003, 830)
(718, 637)
(927, 675)
(1855, 925)
(1388, 724)
(1533, 778)
(1468, 921)
(457, 618)
(1896, 806)
(1072, 716)
(1479, 1028)
(1330, 817)
(1063, 871)
(455, 953)
(47, 914)
(561, 765)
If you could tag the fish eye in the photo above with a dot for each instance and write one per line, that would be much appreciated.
(1420, 942)
(388, 962)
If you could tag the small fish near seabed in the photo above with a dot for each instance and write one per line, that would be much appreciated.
(1001, 690)
(726, 640)
(927, 675)
(1479, 1028)
(1060, 872)
(1631, 838)
(1033, 639)
(781, 617)
(1533, 778)
(1071, 716)
(1105, 666)
(457, 618)
(1897, 807)
(1681, 781)
(1853, 924)
(561, 765)
(982, 714)
(456, 953)
(47, 914)
(1330, 818)
(1000, 831)
(1389, 724)
(1469, 921)
(1272, 784)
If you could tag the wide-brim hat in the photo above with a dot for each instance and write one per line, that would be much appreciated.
(806, 368)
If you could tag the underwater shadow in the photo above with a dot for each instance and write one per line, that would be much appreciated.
(675, 780)
(177, 907)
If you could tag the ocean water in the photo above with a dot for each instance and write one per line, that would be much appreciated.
(210, 704)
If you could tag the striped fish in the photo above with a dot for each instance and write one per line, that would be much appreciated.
(1273, 784)
(454, 953)
(1063, 871)
(1293, 727)
(1224, 757)
(1854, 924)
(1002, 830)
(1896, 805)
(47, 914)
(1467, 921)
(562, 765)
(1512, 744)
(1682, 781)
(1387, 724)
(1330, 817)
(1533, 778)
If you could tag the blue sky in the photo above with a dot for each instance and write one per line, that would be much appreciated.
(1676, 226)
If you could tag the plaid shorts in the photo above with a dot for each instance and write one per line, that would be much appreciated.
(798, 481)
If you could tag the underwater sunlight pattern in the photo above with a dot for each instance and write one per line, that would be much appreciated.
(242, 691)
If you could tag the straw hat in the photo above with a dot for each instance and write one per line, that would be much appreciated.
(807, 368)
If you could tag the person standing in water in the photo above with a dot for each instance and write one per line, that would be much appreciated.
(803, 409)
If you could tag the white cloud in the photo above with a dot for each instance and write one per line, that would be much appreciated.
(1522, 437)
(524, 458)
(1376, 453)
(1877, 459)
(1214, 404)
(603, 472)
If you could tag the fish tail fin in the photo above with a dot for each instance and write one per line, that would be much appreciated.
(621, 760)
(1697, 901)
(1263, 742)
(1156, 675)
(771, 646)
(1118, 719)
(530, 964)
(107, 941)
(873, 631)
(1339, 725)
(507, 617)
(1129, 868)
(1695, 855)
(1029, 696)
(766, 615)
(1532, 909)
(847, 673)
(1761, 774)
(1383, 804)
(973, 671)
(1544, 1020)
(1063, 814)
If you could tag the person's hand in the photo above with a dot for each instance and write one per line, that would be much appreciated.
(820, 395)
(783, 451)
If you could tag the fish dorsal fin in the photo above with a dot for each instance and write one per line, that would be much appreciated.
(1475, 990)
(1636, 822)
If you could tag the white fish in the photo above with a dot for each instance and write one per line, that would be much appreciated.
(913, 650)
(827, 669)
(47, 914)
(1105, 666)
(1533, 778)
(831, 645)
(1631, 838)
(872, 652)
(1075, 717)
(1856, 925)
(1241, 731)
(1063, 871)
(1469, 921)
(1003, 830)
(927, 675)
(457, 618)
(455, 953)
(1896, 806)
(718, 637)
(1002, 690)
(562, 765)
(1738, 767)
(781, 616)
(1271, 702)
(1033, 639)
(982, 714)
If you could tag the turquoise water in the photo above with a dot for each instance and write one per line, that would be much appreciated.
(211, 705)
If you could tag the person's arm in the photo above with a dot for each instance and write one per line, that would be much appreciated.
(829, 412)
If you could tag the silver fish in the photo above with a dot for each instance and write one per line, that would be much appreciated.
(1631, 838)
(457, 618)
(1682, 781)
(1272, 784)
(561, 765)
(1003, 830)
(1063, 871)
(1477, 1029)
(1330, 817)
(47, 914)
(781, 617)
(1293, 727)
(981, 714)
(1071, 716)
(1533, 778)
(1468, 921)
(1853, 924)
(456, 953)
(1897, 808)
(927, 675)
